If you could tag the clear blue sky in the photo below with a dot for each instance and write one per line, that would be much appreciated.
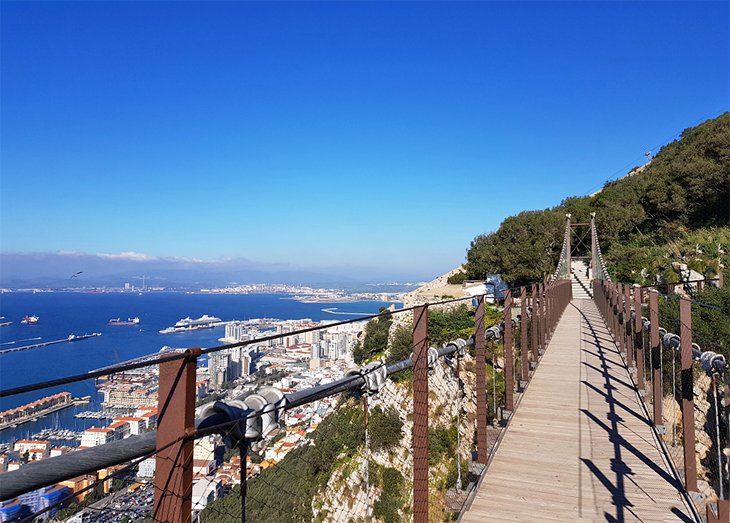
(333, 134)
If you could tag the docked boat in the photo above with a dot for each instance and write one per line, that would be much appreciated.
(189, 324)
(119, 321)
(30, 320)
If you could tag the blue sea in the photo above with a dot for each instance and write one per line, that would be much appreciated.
(65, 313)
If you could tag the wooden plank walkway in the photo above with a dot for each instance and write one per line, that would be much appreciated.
(579, 447)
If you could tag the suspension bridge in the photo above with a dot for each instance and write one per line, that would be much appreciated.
(585, 402)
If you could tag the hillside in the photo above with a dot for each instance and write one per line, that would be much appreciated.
(676, 209)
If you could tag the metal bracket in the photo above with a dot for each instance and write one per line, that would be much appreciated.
(257, 416)
(661, 429)
(374, 374)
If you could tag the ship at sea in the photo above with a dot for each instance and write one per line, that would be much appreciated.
(119, 321)
(30, 320)
(189, 324)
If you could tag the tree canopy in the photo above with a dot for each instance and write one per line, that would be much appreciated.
(644, 219)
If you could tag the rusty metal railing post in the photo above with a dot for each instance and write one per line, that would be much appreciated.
(639, 338)
(612, 308)
(509, 380)
(533, 325)
(723, 512)
(481, 384)
(173, 484)
(420, 414)
(524, 349)
(543, 318)
(656, 359)
(620, 339)
(628, 327)
(687, 380)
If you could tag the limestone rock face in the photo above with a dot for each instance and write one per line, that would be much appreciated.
(348, 481)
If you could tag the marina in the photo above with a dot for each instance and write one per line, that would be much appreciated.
(104, 413)
(57, 434)
(38, 409)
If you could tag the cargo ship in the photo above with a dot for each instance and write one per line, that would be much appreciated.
(30, 320)
(119, 321)
(188, 324)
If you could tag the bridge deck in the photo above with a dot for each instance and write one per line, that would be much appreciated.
(579, 447)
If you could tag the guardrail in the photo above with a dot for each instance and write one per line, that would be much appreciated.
(684, 386)
(432, 420)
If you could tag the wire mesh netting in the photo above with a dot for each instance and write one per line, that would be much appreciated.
(671, 388)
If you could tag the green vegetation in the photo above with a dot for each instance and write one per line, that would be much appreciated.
(392, 500)
(676, 208)
(445, 325)
(385, 428)
(285, 492)
(441, 443)
(710, 324)
(375, 340)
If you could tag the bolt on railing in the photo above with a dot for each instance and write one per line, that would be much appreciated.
(683, 386)
(477, 385)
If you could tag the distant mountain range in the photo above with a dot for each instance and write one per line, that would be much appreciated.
(74, 269)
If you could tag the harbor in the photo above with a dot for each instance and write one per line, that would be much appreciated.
(68, 339)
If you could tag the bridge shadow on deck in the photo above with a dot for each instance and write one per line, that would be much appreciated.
(604, 350)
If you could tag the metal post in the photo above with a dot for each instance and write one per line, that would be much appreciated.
(533, 324)
(365, 412)
(243, 452)
(543, 317)
(420, 414)
(620, 320)
(656, 359)
(723, 512)
(627, 327)
(509, 382)
(569, 232)
(593, 246)
(481, 385)
(524, 349)
(175, 419)
(639, 338)
(688, 415)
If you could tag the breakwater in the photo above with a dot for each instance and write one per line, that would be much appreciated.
(71, 338)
